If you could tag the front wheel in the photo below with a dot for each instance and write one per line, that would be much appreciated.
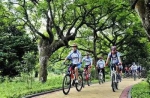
(113, 83)
(66, 84)
(79, 85)
(134, 76)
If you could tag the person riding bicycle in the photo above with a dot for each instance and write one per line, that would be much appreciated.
(88, 63)
(139, 68)
(133, 68)
(101, 65)
(114, 58)
(126, 70)
(75, 57)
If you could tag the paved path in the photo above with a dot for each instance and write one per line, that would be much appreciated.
(94, 91)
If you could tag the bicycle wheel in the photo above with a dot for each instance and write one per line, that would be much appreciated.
(134, 76)
(116, 83)
(79, 85)
(113, 84)
(66, 84)
(99, 78)
(84, 79)
(88, 81)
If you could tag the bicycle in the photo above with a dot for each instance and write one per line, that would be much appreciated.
(86, 77)
(114, 78)
(134, 74)
(69, 80)
(100, 76)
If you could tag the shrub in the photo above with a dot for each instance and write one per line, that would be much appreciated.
(148, 78)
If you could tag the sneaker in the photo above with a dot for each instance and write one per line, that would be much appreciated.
(76, 81)
(89, 75)
(73, 82)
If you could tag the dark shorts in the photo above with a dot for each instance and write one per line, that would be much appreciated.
(98, 69)
(113, 66)
(86, 67)
(138, 70)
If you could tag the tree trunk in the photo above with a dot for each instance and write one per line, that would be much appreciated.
(142, 7)
(44, 53)
(94, 53)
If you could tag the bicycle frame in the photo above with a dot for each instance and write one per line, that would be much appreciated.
(86, 73)
(113, 71)
(100, 72)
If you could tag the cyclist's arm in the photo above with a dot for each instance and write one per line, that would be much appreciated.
(104, 63)
(80, 57)
(119, 58)
(91, 61)
(68, 57)
(108, 58)
(97, 64)
(83, 59)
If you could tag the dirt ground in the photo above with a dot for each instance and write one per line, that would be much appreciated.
(93, 91)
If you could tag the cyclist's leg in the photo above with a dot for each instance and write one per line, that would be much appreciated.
(76, 72)
(103, 71)
(98, 69)
(77, 67)
(89, 70)
(117, 72)
(120, 73)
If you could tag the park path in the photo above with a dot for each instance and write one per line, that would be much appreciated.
(93, 91)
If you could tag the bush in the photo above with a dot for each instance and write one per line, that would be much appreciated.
(140, 90)
(148, 78)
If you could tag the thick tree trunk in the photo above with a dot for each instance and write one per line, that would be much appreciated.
(44, 53)
(142, 7)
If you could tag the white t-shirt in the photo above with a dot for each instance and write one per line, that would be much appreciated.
(75, 57)
(115, 58)
(134, 67)
(87, 60)
(100, 63)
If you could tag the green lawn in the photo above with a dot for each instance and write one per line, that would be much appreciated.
(20, 89)
(141, 90)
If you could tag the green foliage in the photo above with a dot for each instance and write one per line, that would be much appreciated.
(148, 78)
(21, 89)
(140, 90)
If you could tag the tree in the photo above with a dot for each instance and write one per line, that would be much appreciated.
(14, 43)
(60, 18)
(142, 7)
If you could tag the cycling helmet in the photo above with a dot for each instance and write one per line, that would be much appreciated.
(74, 45)
(100, 57)
(87, 53)
(113, 48)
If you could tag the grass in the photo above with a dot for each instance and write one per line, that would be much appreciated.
(141, 90)
(17, 89)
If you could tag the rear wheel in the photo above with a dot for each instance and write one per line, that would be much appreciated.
(66, 84)
(79, 85)
(100, 78)
(88, 81)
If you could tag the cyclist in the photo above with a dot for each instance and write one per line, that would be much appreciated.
(88, 63)
(133, 68)
(75, 57)
(101, 65)
(126, 70)
(114, 57)
(139, 70)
